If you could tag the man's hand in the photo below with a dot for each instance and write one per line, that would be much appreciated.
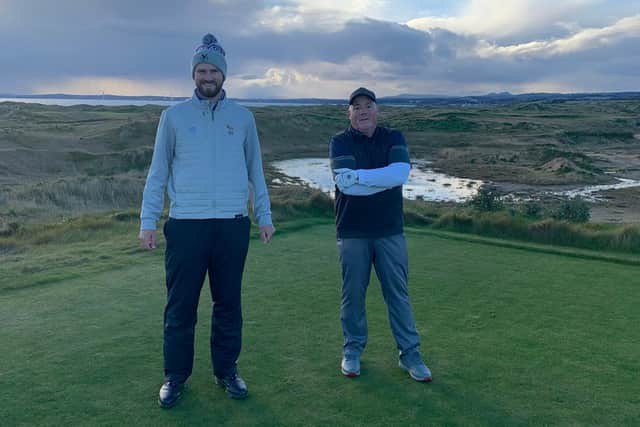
(345, 178)
(266, 231)
(147, 239)
(341, 170)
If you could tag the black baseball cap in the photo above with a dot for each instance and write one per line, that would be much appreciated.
(362, 91)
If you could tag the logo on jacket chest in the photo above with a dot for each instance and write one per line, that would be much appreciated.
(193, 130)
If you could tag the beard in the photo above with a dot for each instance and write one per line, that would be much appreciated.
(208, 91)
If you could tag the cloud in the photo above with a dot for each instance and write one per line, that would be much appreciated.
(587, 39)
(316, 79)
(496, 19)
(384, 40)
(319, 48)
(339, 8)
(313, 15)
(278, 83)
(279, 77)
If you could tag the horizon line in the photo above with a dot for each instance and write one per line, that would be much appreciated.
(404, 95)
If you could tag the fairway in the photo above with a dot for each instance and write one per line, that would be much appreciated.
(513, 337)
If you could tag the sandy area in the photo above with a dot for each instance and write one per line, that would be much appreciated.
(620, 206)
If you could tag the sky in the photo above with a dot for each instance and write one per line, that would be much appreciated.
(321, 48)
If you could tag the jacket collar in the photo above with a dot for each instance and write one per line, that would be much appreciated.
(206, 104)
(357, 134)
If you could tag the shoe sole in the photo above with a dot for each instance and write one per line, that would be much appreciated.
(169, 405)
(350, 374)
(232, 395)
(238, 397)
(419, 379)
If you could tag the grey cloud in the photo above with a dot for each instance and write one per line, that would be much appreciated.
(610, 63)
(131, 46)
(117, 38)
(154, 40)
(401, 52)
(380, 40)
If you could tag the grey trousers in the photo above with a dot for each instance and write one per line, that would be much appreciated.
(389, 257)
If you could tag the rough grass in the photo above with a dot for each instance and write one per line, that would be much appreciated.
(602, 237)
(293, 205)
(514, 337)
(575, 128)
(59, 162)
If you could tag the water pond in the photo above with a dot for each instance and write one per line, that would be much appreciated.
(423, 182)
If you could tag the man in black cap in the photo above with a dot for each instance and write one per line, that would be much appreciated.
(370, 164)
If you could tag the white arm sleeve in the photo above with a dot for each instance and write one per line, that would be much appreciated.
(362, 190)
(390, 176)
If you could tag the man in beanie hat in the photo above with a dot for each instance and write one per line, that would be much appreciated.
(206, 157)
(370, 163)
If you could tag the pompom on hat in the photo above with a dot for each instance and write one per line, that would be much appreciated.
(210, 52)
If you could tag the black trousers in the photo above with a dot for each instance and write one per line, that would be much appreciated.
(194, 248)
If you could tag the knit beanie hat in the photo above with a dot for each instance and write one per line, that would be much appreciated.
(210, 52)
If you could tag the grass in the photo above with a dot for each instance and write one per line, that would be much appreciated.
(505, 225)
(59, 161)
(514, 337)
(97, 140)
(293, 205)
(516, 333)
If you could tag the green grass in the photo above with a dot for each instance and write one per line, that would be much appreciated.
(505, 225)
(514, 336)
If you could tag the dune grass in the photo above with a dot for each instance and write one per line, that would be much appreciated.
(59, 162)
(514, 337)
(505, 225)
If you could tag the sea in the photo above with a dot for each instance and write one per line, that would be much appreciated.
(66, 102)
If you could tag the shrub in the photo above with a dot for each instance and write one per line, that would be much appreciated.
(573, 210)
(627, 238)
(9, 229)
(455, 221)
(417, 218)
(532, 209)
(293, 202)
(545, 231)
(487, 199)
